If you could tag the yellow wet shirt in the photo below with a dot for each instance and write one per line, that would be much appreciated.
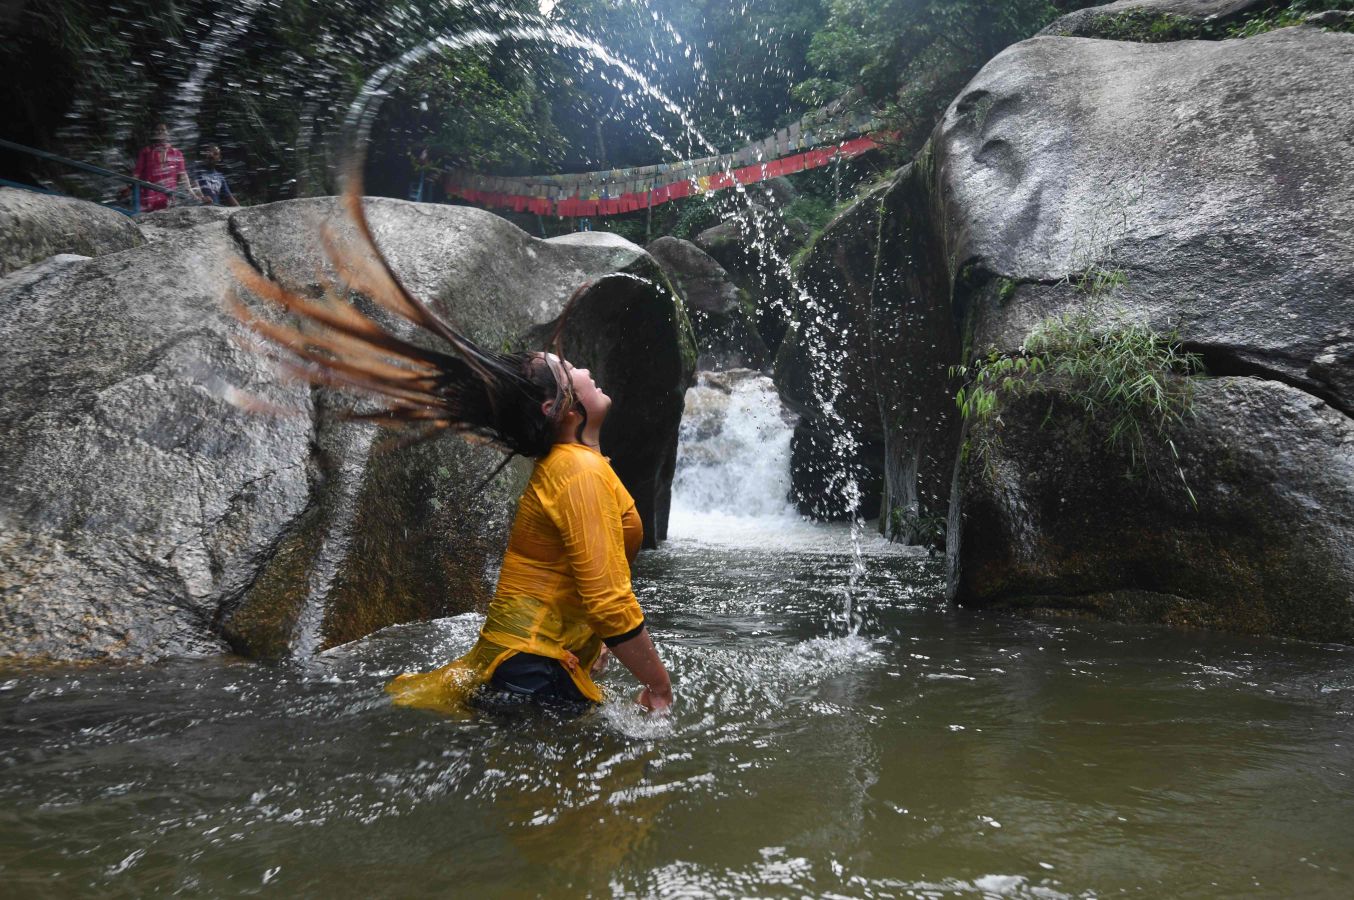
(564, 585)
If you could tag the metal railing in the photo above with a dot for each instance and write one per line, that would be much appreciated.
(136, 184)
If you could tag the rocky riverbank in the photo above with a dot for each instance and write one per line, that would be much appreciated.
(1199, 190)
(146, 516)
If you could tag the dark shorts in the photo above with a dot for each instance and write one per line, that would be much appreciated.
(538, 679)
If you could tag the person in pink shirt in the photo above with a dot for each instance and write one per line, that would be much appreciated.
(161, 164)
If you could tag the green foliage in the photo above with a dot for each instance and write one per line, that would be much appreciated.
(909, 58)
(923, 530)
(1147, 27)
(694, 216)
(1127, 378)
(1096, 280)
(471, 110)
(1285, 15)
(813, 211)
(629, 227)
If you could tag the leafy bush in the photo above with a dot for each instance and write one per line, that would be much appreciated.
(1148, 27)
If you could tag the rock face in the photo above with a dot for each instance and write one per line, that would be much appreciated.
(1212, 180)
(725, 335)
(146, 516)
(36, 226)
(1207, 184)
(1265, 551)
(1242, 245)
(163, 224)
(867, 365)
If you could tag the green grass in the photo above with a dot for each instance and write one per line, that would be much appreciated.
(1146, 27)
(1127, 378)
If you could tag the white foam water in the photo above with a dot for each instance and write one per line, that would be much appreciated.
(732, 483)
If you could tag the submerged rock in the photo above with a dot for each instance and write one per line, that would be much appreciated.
(146, 516)
(34, 227)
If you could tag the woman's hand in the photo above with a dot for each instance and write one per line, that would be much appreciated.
(639, 656)
(656, 700)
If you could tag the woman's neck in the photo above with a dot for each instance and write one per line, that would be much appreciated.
(590, 437)
(591, 444)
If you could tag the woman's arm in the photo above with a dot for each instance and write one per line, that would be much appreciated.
(589, 520)
(639, 655)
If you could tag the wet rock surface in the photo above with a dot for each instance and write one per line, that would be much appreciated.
(35, 227)
(721, 312)
(873, 346)
(149, 517)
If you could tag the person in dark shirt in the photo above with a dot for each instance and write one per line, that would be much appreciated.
(211, 182)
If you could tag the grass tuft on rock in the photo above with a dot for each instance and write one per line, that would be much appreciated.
(1127, 378)
(1148, 27)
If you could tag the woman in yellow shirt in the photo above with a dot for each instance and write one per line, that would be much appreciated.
(564, 590)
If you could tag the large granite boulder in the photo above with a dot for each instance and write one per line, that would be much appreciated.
(36, 226)
(755, 246)
(1198, 188)
(726, 337)
(866, 366)
(145, 515)
(166, 224)
(1248, 531)
(1246, 247)
(1209, 181)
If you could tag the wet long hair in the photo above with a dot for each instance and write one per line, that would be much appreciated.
(419, 392)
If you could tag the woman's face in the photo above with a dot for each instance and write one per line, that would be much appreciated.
(586, 392)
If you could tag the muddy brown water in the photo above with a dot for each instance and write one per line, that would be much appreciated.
(934, 753)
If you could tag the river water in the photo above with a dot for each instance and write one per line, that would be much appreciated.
(839, 732)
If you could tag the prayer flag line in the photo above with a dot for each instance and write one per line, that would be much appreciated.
(618, 191)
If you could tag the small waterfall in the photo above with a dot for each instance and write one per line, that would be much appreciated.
(732, 483)
(733, 461)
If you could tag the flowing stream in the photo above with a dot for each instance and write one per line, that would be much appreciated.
(922, 752)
